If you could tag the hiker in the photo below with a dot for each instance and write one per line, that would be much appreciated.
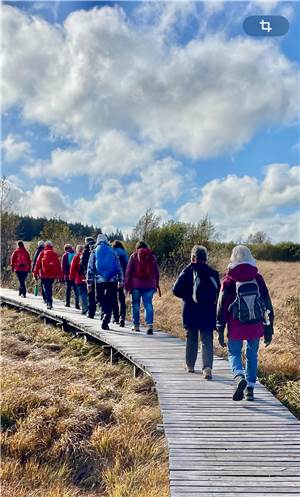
(119, 305)
(244, 305)
(77, 277)
(39, 249)
(83, 265)
(198, 286)
(48, 269)
(65, 267)
(142, 281)
(105, 269)
(20, 264)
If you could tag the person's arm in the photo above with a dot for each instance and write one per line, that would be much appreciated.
(222, 310)
(13, 260)
(74, 267)
(120, 274)
(180, 285)
(128, 274)
(156, 273)
(90, 274)
(38, 265)
(28, 260)
(269, 317)
(64, 269)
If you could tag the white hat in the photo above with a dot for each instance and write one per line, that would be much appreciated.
(241, 255)
(41, 243)
(102, 238)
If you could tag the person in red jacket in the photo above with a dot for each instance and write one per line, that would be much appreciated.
(244, 305)
(77, 276)
(142, 281)
(21, 264)
(48, 269)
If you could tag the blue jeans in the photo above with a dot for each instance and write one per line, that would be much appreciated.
(82, 290)
(146, 294)
(235, 348)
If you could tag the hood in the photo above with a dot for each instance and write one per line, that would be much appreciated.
(243, 272)
(143, 251)
(102, 238)
(47, 248)
(200, 267)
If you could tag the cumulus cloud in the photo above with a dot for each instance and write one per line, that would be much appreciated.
(99, 72)
(14, 148)
(114, 154)
(240, 206)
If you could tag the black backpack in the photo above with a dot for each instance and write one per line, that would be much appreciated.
(205, 289)
(248, 306)
(83, 261)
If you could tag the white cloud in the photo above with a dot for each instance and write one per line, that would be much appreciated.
(113, 154)
(14, 148)
(240, 206)
(99, 72)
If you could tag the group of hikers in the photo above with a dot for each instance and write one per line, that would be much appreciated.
(101, 273)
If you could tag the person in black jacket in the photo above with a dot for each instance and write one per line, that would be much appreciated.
(83, 264)
(198, 286)
(119, 305)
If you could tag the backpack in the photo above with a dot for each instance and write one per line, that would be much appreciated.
(106, 261)
(22, 259)
(83, 261)
(248, 306)
(205, 289)
(49, 263)
(144, 267)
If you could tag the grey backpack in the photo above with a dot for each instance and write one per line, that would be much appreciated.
(248, 306)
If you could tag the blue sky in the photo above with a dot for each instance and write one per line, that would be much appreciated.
(110, 108)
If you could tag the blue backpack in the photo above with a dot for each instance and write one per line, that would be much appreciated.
(106, 261)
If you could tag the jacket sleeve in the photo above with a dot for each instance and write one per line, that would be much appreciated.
(128, 274)
(222, 305)
(120, 274)
(64, 268)
(38, 264)
(13, 259)
(156, 272)
(91, 269)
(266, 297)
(74, 267)
(36, 254)
(28, 260)
(180, 289)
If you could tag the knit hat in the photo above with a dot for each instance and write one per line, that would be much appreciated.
(241, 255)
(41, 243)
(102, 238)
(48, 243)
(90, 240)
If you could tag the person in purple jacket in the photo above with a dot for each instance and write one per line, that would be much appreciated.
(142, 281)
(244, 305)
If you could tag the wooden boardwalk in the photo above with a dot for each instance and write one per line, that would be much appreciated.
(217, 447)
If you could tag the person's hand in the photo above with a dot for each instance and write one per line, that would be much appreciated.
(89, 288)
(221, 338)
(120, 285)
(268, 335)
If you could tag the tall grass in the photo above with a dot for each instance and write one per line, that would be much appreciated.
(73, 424)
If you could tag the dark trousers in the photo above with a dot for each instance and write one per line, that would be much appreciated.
(207, 348)
(22, 275)
(47, 285)
(92, 302)
(106, 295)
(119, 305)
(71, 285)
(82, 290)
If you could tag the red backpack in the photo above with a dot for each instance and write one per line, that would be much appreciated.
(50, 265)
(22, 260)
(144, 264)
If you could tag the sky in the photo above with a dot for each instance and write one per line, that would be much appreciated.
(111, 108)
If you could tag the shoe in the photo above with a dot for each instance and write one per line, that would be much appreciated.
(77, 306)
(240, 385)
(190, 369)
(249, 393)
(20, 293)
(149, 331)
(49, 306)
(67, 305)
(122, 323)
(105, 326)
(90, 317)
(135, 328)
(207, 374)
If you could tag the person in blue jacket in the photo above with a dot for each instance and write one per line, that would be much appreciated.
(104, 268)
(119, 306)
(198, 286)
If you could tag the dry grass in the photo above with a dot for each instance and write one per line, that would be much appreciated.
(73, 424)
(279, 363)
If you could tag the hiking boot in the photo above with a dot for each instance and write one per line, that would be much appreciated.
(239, 386)
(67, 305)
(135, 328)
(149, 331)
(122, 323)
(77, 306)
(49, 305)
(105, 326)
(207, 374)
(249, 393)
